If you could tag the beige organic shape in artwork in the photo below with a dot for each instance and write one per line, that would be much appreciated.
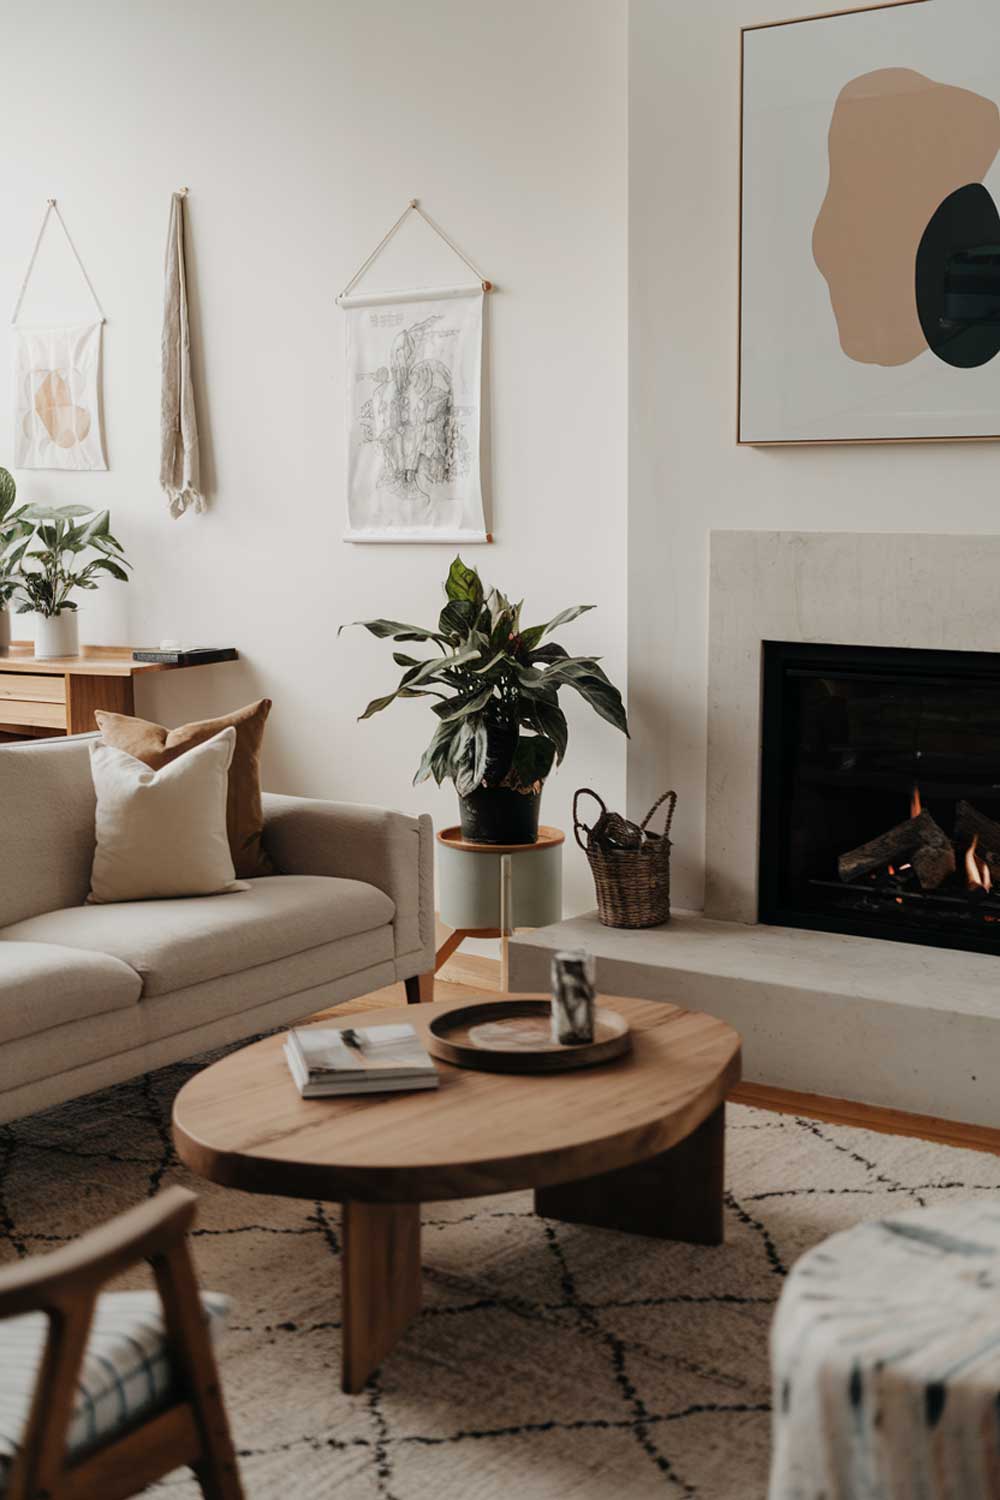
(900, 144)
(65, 423)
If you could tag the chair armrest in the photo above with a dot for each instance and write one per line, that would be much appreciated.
(389, 850)
(144, 1233)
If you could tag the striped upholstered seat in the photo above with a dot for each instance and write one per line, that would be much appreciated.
(126, 1373)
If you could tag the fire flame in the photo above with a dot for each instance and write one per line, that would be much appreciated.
(916, 806)
(977, 871)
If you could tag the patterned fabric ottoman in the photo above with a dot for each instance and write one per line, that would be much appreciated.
(885, 1356)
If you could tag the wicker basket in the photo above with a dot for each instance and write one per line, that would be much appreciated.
(633, 884)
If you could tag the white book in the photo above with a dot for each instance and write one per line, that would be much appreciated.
(375, 1052)
(329, 1085)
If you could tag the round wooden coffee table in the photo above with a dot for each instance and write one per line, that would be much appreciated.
(635, 1145)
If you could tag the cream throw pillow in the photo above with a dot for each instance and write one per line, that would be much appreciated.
(162, 833)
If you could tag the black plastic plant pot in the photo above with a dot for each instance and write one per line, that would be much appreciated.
(496, 815)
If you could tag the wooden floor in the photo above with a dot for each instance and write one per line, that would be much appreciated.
(760, 1096)
(395, 994)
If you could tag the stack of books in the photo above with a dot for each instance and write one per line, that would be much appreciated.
(327, 1061)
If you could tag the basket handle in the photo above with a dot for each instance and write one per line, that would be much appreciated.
(584, 791)
(670, 797)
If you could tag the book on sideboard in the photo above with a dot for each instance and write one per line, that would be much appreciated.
(185, 656)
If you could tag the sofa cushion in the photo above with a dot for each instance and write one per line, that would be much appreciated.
(217, 1011)
(162, 833)
(157, 747)
(48, 802)
(44, 985)
(185, 941)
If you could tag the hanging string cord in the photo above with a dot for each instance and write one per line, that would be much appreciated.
(53, 207)
(413, 207)
(487, 285)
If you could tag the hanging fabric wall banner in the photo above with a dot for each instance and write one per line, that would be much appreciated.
(180, 454)
(414, 375)
(57, 384)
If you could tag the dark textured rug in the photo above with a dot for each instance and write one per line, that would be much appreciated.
(549, 1361)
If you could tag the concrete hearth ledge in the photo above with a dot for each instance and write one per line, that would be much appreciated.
(893, 1024)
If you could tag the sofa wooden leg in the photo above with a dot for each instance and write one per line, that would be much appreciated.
(420, 989)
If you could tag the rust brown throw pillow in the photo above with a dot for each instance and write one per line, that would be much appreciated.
(156, 746)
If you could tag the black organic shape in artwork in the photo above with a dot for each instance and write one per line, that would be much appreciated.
(958, 279)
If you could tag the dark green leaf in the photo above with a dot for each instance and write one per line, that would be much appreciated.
(604, 698)
(549, 652)
(548, 720)
(377, 704)
(458, 618)
(434, 761)
(532, 762)
(488, 666)
(461, 708)
(463, 583)
(533, 684)
(468, 756)
(503, 628)
(533, 634)
(8, 492)
(384, 629)
(108, 566)
(447, 664)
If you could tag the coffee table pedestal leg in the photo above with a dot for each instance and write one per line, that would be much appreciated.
(381, 1284)
(674, 1196)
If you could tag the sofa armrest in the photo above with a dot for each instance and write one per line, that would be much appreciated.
(389, 850)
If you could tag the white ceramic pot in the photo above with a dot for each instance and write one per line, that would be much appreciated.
(56, 635)
(4, 631)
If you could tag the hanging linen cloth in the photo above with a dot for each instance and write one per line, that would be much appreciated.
(180, 465)
(58, 420)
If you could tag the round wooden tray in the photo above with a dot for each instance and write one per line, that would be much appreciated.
(473, 1036)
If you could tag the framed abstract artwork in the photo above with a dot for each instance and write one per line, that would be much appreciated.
(869, 226)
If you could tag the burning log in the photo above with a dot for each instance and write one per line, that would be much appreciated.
(978, 880)
(919, 841)
(970, 823)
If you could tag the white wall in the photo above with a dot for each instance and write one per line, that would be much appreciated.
(302, 128)
(686, 474)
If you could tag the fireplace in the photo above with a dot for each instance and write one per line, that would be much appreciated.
(880, 793)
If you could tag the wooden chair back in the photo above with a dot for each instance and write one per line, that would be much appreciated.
(191, 1429)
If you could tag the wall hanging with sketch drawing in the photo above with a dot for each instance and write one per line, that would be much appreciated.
(57, 383)
(870, 234)
(414, 407)
(414, 363)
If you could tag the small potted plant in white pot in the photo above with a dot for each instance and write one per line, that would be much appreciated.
(15, 533)
(500, 728)
(63, 533)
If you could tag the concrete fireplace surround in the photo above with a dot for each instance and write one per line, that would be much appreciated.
(897, 1025)
(823, 588)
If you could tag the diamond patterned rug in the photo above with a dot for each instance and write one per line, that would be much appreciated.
(550, 1362)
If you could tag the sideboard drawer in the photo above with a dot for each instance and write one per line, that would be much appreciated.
(26, 685)
(32, 712)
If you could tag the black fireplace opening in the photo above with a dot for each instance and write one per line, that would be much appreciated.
(880, 793)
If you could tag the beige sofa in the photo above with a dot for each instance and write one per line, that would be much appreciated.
(93, 995)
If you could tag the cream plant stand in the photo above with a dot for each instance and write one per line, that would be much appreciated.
(488, 890)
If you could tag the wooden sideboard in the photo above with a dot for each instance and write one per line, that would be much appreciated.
(59, 695)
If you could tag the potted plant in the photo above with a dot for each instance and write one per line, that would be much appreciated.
(64, 533)
(501, 728)
(15, 532)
